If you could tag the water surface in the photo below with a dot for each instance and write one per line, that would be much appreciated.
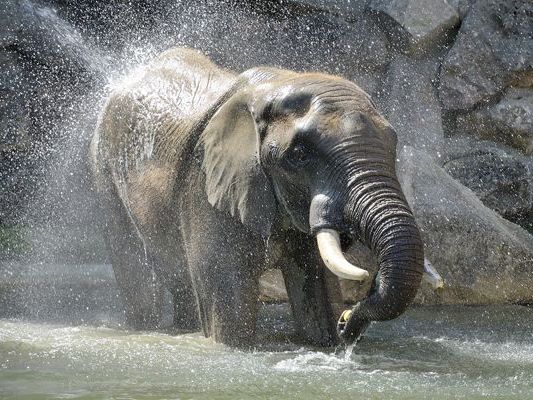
(431, 352)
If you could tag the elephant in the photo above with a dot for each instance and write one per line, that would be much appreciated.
(207, 178)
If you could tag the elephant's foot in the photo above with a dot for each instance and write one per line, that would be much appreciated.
(145, 316)
(234, 335)
(143, 305)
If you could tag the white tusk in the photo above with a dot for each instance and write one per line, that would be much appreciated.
(432, 276)
(329, 245)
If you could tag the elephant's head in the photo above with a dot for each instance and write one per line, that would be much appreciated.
(313, 148)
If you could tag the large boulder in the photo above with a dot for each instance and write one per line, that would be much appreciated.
(356, 50)
(342, 7)
(42, 36)
(411, 105)
(494, 49)
(482, 257)
(462, 6)
(416, 25)
(509, 121)
(501, 177)
(14, 118)
(60, 293)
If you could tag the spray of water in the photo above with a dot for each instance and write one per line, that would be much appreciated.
(77, 55)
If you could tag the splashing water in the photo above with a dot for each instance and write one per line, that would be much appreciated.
(435, 353)
(438, 353)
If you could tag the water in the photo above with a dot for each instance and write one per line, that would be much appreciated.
(430, 352)
(69, 340)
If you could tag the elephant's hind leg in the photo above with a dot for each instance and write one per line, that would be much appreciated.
(170, 264)
(185, 308)
(140, 289)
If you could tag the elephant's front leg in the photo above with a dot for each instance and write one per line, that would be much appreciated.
(228, 301)
(314, 293)
(232, 310)
(225, 268)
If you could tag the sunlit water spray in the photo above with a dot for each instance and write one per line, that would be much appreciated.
(77, 345)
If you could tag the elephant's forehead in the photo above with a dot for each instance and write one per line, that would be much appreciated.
(338, 124)
(326, 95)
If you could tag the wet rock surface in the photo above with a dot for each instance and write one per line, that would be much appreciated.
(416, 25)
(509, 120)
(455, 78)
(492, 51)
(482, 257)
(411, 105)
(501, 177)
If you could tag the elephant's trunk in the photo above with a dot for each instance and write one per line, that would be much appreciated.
(379, 213)
(388, 228)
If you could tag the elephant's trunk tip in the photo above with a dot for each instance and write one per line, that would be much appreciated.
(329, 245)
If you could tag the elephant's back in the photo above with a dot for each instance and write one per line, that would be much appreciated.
(151, 110)
(181, 81)
(146, 122)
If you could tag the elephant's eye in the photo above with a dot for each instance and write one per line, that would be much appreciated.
(299, 155)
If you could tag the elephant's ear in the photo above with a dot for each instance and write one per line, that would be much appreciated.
(235, 181)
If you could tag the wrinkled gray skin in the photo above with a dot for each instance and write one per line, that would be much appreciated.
(208, 178)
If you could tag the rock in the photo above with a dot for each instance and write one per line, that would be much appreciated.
(482, 257)
(14, 118)
(60, 293)
(41, 35)
(510, 121)
(462, 6)
(338, 46)
(501, 177)
(410, 104)
(10, 22)
(307, 41)
(346, 8)
(14, 124)
(493, 49)
(415, 25)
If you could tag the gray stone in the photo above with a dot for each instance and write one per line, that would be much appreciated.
(10, 23)
(40, 34)
(346, 8)
(462, 6)
(11, 70)
(14, 123)
(370, 83)
(339, 46)
(494, 48)
(272, 286)
(501, 177)
(14, 118)
(416, 25)
(411, 105)
(482, 257)
(510, 121)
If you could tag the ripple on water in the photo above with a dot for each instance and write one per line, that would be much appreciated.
(410, 358)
